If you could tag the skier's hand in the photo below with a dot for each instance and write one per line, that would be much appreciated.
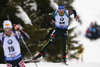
(16, 27)
(52, 21)
(76, 18)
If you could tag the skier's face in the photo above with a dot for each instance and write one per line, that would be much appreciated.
(61, 11)
(8, 31)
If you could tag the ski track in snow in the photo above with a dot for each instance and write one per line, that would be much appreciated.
(45, 64)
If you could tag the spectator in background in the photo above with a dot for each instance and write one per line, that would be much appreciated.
(91, 25)
(93, 32)
(88, 34)
(98, 28)
(90, 31)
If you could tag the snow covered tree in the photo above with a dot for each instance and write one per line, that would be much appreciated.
(41, 23)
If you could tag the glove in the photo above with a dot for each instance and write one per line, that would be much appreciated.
(52, 21)
(76, 18)
(16, 27)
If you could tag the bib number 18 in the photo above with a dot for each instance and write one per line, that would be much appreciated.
(61, 22)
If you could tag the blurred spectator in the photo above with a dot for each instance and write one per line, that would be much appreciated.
(98, 28)
(93, 32)
(88, 34)
(95, 24)
(91, 25)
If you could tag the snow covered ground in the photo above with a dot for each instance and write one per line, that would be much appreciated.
(45, 64)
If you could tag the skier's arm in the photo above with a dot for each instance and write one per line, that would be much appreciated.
(23, 34)
(52, 16)
(75, 14)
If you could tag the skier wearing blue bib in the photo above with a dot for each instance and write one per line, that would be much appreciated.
(11, 44)
(61, 19)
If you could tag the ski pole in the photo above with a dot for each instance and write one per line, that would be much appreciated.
(26, 46)
(28, 49)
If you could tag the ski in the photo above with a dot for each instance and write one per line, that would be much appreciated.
(36, 60)
(30, 60)
(65, 64)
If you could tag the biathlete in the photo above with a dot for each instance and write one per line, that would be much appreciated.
(61, 19)
(11, 44)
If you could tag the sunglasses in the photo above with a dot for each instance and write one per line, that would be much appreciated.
(7, 29)
(61, 9)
